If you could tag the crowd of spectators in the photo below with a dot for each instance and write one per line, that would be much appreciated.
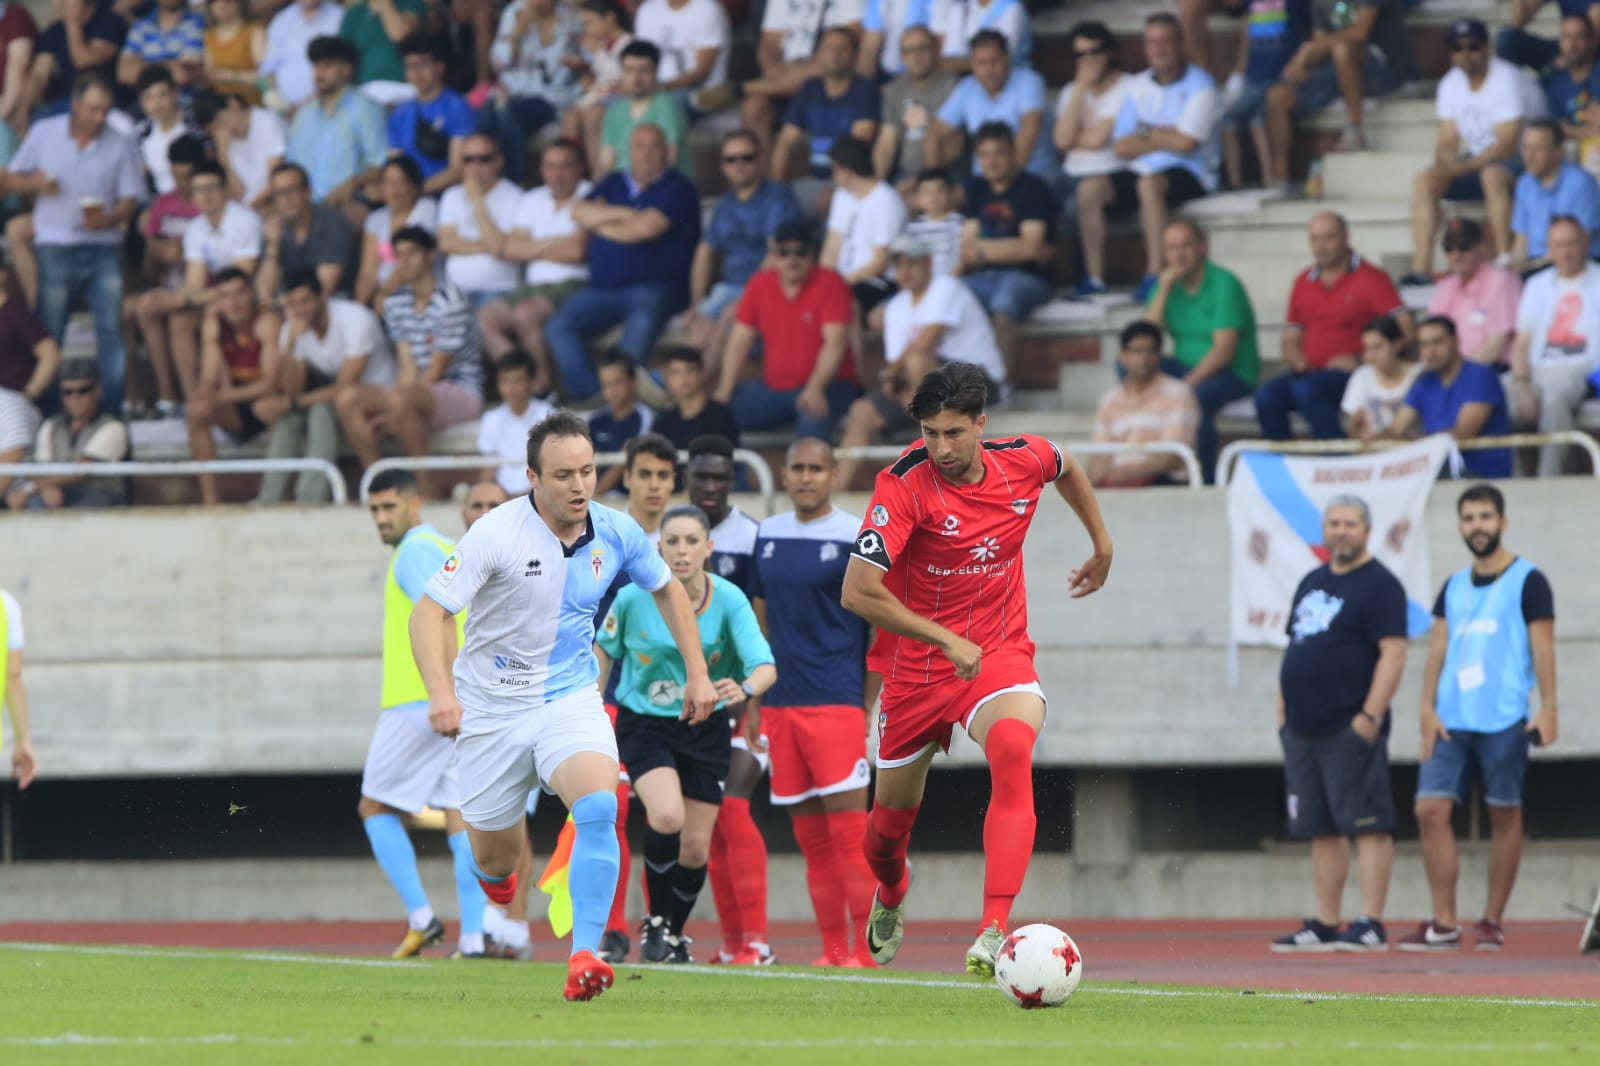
(345, 229)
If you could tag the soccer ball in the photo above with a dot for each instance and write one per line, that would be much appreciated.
(1038, 966)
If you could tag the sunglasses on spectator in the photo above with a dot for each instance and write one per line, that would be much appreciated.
(1467, 46)
(76, 390)
(743, 157)
(1458, 246)
(478, 158)
(1082, 52)
(793, 251)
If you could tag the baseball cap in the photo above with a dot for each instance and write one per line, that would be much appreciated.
(1468, 30)
(795, 232)
(1462, 233)
(906, 246)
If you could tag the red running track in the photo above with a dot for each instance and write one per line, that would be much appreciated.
(1540, 959)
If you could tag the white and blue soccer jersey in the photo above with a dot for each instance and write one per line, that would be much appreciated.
(733, 541)
(531, 602)
(821, 648)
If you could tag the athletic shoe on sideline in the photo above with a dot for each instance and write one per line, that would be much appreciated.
(587, 977)
(678, 950)
(1491, 937)
(982, 953)
(417, 939)
(1364, 935)
(614, 946)
(1312, 936)
(1431, 937)
(886, 927)
(653, 939)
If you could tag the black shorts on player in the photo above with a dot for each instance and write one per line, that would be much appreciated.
(699, 753)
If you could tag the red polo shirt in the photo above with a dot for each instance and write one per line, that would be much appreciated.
(791, 330)
(1331, 318)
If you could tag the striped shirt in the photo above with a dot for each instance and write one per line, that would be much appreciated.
(153, 44)
(446, 324)
(943, 238)
(1165, 411)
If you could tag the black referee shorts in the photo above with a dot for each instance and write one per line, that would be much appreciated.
(699, 753)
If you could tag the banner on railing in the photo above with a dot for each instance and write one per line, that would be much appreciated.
(1275, 505)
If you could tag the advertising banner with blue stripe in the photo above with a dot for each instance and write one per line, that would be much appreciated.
(1275, 505)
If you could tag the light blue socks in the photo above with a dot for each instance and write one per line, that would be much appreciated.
(592, 876)
(469, 894)
(391, 846)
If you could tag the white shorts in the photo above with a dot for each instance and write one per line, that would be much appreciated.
(503, 757)
(409, 766)
(761, 757)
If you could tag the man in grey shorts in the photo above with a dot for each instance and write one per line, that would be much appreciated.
(1347, 650)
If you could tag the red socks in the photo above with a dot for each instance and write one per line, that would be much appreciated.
(619, 902)
(847, 828)
(884, 846)
(746, 869)
(499, 892)
(722, 891)
(1009, 825)
(825, 879)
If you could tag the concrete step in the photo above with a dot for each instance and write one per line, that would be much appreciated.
(1383, 175)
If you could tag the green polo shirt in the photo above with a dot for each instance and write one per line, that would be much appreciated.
(380, 57)
(1219, 303)
(663, 111)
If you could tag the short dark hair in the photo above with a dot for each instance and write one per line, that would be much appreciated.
(938, 174)
(989, 39)
(608, 7)
(515, 359)
(682, 353)
(418, 236)
(795, 231)
(302, 278)
(227, 274)
(408, 169)
(1550, 126)
(711, 444)
(1099, 35)
(836, 29)
(1482, 492)
(559, 424)
(1387, 327)
(638, 49)
(423, 44)
(995, 131)
(1444, 322)
(154, 74)
(959, 387)
(207, 104)
(332, 49)
(653, 444)
(689, 511)
(740, 134)
(1165, 18)
(189, 151)
(287, 167)
(618, 358)
(402, 481)
(567, 144)
(852, 154)
(1142, 327)
(209, 167)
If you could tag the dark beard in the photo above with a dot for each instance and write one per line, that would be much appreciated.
(1487, 550)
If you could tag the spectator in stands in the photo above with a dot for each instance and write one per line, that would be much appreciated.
(86, 182)
(695, 40)
(836, 103)
(301, 236)
(1147, 406)
(1550, 186)
(1007, 240)
(1516, 45)
(374, 30)
(1270, 35)
(234, 49)
(884, 26)
(642, 102)
(431, 127)
(1572, 84)
(960, 25)
(83, 431)
(1167, 131)
(18, 34)
(910, 103)
(621, 419)
(29, 358)
(736, 243)
(1330, 304)
(171, 36)
(474, 218)
(1354, 52)
(503, 430)
(1380, 384)
(1480, 297)
(938, 224)
(250, 142)
(167, 328)
(1557, 347)
(286, 69)
(240, 369)
(1456, 397)
(482, 498)
(332, 345)
(863, 218)
(544, 236)
(339, 137)
(641, 227)
(86, 39)
(1482, 103)
(536, 55)
(438, 378)
(404, 205)
(791, 31)
(801, 313)
(997, 91)
(694, 413)
(1088, 112)
(163, 123)
(1206, 310)
(932, 320)
(605, 35)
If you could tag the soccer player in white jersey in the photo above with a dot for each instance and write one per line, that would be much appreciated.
(524, 699)
(12, 695)
(817, 716)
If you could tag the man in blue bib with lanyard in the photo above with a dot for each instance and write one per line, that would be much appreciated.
(1493, 637)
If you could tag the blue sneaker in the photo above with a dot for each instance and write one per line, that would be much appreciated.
(1146, 287)
(1087, 287)
(1364, 935)
(1311, 936)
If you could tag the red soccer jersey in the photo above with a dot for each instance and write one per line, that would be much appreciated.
(953, 553)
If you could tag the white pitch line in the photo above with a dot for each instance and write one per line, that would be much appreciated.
(221, 953)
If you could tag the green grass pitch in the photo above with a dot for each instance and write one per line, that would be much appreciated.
(171, 1007)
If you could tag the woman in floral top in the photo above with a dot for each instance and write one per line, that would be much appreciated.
(538, 58)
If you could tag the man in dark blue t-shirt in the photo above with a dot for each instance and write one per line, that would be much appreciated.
(1573, 83)
(1347, 650)
(1456, 397)
(838, 103)
(641, 226)
(1516, 45)
(432, 128)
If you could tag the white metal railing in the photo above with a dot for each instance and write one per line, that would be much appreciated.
(765, 485)
(1230, 454)
(1191, 462)
(181, 467)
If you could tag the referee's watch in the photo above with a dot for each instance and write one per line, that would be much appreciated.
(749, 689)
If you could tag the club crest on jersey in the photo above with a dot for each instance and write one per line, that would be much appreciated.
(726, 566)
(767, 552)
(880, 515)
(596, 561)
(1020, 506)
(951, 526)
(829, 551)
(985, 549)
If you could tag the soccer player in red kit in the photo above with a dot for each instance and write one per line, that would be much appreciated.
(937, 568)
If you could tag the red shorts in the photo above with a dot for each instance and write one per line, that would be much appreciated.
(816, 751)
(916, 717)
(611, 713)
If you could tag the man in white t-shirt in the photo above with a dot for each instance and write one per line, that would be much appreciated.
(1557, 346)
(503, 430)
(474, 219)
(957, 22)
(864, 219)
(1482, 103)
(24, 764)
(163, 124)
(930, 321)
(544, 237)
(331, 344)
(250, 142)
(694, 38)
(790, 33)
(286, 66)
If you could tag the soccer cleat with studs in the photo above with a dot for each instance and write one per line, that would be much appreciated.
(653, 939)
(984, 950)
(587, 977)
(614, 946)
(886, 927)
(678, 950)
(417, 939)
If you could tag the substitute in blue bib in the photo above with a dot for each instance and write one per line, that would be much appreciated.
(523, 693)
(1493, 639)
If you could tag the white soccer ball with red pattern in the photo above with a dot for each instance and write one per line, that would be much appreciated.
(1038, 966)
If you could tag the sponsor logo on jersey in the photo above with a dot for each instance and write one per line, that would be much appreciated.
(452, 564)
(951, 526)
(985, 549)
(506, 662)
(1020, 506)
(829, 552)
(727, 565)
(766, 552)
(533, 568)
(610, 625)
(869, 544)
(880, 515)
